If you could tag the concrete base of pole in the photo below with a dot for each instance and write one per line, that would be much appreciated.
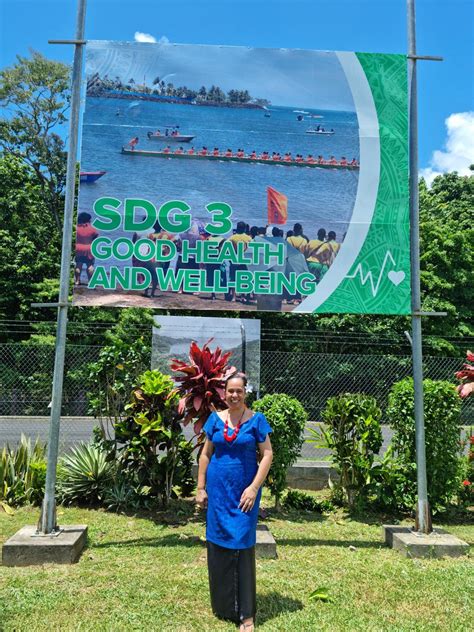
(413, 544)
(26, 548)
(266, 545)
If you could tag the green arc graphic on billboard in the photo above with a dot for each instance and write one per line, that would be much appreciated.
(376, 277)
(190, 193)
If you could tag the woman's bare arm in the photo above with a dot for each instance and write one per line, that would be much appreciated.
(201, 496)
(266, 458)
(249, 495)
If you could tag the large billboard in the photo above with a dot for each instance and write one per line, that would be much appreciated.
(219, 177)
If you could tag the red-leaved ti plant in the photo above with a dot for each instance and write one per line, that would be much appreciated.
(201, 388)
(466, 377)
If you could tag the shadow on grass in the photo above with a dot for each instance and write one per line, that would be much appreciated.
(270, 515)
(273, 604)
(452, 516)
(178, 513)
(342, 544)
(170, 540)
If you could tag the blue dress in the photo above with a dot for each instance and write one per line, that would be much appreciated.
(231, 469)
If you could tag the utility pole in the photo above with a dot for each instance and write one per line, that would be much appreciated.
(423, 514)
(47, 523)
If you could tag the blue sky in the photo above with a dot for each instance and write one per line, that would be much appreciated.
(444, 27)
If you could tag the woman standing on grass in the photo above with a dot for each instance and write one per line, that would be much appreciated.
(229, 485)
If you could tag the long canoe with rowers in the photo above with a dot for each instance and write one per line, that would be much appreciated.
(286, 160)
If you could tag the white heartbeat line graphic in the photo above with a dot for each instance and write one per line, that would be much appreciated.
(396, 277)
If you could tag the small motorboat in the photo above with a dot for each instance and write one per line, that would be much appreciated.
(91, 176)
(170, 134)
(315, 116)
(320, 132)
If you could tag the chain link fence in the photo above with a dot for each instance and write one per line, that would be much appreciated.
(26, 372)
(314, 377)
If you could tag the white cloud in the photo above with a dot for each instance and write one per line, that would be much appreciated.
(458, 153)
(150, 39)
(144, 37)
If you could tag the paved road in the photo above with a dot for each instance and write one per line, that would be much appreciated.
(77, 429)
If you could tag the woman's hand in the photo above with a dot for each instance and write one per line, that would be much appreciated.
(247, 500)
(201, 498)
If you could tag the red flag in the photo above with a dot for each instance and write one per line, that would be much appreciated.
(277, 206)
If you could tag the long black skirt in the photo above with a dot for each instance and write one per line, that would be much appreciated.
(232, 582)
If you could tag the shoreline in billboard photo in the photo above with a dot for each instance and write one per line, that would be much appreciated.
(217, 177)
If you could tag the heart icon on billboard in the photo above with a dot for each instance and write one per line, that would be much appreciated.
(396, 277)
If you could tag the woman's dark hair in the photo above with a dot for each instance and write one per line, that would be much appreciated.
(84, 218)
(239, 375)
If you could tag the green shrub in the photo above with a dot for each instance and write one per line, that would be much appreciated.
(466, 491)
(288, 418)
(119, 495)
(84, 474)
(150, 447)
(354, 435)
(22, 473)
(302, 501)
(442, 407)
(121, 361)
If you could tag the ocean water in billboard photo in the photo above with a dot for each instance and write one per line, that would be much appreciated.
(316, 197)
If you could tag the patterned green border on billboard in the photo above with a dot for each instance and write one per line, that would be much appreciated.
(379, 279)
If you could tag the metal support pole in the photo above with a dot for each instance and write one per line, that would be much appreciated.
(47, 522)
(423, 515)
(244, 347)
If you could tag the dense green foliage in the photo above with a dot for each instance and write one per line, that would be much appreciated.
(150, 449)
(353, 433)
(22, 473)
(144, 463)
(84, 474)
(442, 434)
(467, 469)
(34, 94)
(288, 418)
(302, 501)
(121, 361)
(25, 230)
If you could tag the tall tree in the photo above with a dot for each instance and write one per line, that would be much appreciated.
(35, 96)
(29, 250)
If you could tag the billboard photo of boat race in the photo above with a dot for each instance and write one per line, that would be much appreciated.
(218, 177)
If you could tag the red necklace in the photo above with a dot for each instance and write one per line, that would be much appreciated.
(233, 436)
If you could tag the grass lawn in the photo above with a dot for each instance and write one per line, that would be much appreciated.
(146, 573)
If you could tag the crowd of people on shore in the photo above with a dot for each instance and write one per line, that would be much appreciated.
(253, 155)
(318, 253)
